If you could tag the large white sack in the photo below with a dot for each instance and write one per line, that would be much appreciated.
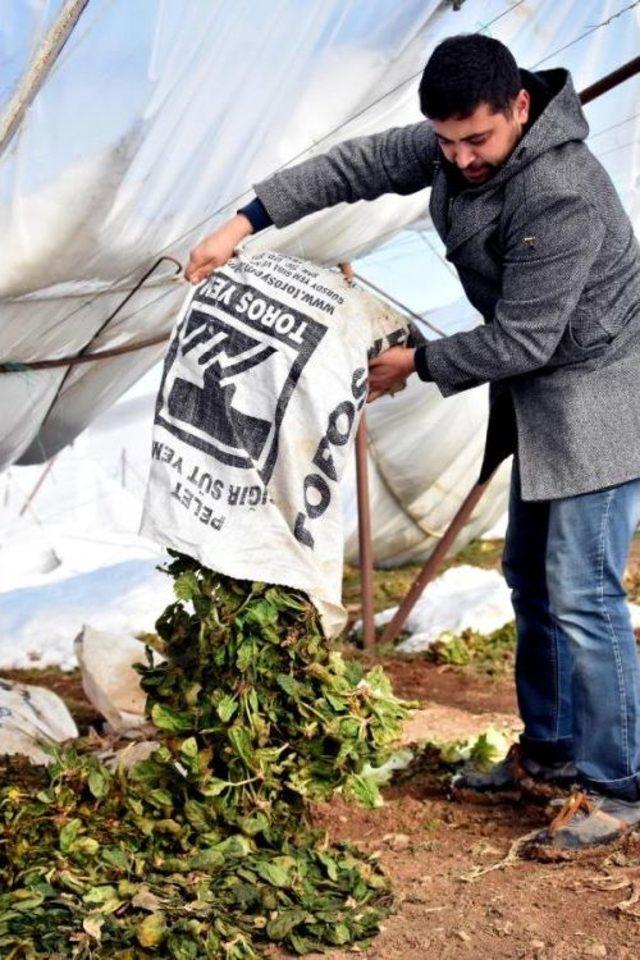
(108, 676)
(263, 386)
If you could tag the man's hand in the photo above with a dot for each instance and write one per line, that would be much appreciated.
(389, 370)
(217, 248)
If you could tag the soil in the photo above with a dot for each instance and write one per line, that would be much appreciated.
(415, 678)
(431, 843)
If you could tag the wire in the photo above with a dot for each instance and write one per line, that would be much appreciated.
(136, 474)
(490, 23)
(603, 23)
(399, 304)
(614, 126)
(145, 306)
(446, 263)
(620, 146)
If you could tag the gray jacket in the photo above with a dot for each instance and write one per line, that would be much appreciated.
(547, 255)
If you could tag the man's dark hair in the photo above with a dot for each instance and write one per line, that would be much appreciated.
(465, 71)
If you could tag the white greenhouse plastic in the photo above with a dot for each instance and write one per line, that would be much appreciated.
(151, 128)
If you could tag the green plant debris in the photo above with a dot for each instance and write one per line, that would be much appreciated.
(205, 849)
(438, 759)
(486, 554)
(490, 654)
(479, 752)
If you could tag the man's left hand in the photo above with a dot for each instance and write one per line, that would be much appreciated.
(389, 371)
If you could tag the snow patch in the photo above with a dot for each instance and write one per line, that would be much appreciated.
(40, 622)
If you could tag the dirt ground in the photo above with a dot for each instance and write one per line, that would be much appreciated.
(435, 847)
(455, 897)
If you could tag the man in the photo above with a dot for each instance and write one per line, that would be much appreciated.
(547, 255)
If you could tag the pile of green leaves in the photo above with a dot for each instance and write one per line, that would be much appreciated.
(490, 654)
(205, 849)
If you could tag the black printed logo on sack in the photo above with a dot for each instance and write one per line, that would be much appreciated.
(231, 371)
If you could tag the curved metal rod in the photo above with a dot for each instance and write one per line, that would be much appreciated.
(83, 356)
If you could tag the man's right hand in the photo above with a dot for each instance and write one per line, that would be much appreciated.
(217, 248)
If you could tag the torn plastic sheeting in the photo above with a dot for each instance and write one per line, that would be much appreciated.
(104, 206)
(462, 598)
(40, 622)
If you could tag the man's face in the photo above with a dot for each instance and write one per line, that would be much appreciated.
(479, 144)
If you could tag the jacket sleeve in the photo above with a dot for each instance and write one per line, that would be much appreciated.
(400, 160)
(548, 254)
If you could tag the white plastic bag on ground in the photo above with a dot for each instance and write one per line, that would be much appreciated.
(108, 678)
(32, 718)
(462, 598)
(263, 385)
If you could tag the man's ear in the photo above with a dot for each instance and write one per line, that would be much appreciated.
(522, 106)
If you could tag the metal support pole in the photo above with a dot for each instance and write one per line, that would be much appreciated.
(364, 536)
(365, 550)
(611, 80)
(431, 566)
(39, 70)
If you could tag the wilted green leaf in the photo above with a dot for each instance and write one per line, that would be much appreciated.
(99, 780)
(69, 833)
(240, 739)
(339, 934)
(286, 921)
(227, 706)
(273, 873)
(102, 894)
(115, 857)
(189, 754)
(86, 845)
(172, 720)
(213, 787)
(93, 926)
(186, 586)
(152, 930)
(363, 789)
(234, 846)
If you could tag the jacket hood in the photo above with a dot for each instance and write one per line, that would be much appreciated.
(560, 120)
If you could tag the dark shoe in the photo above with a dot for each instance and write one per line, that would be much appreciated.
(513, 778)
(586, 820)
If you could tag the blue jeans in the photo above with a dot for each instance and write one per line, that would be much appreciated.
(577, 665)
